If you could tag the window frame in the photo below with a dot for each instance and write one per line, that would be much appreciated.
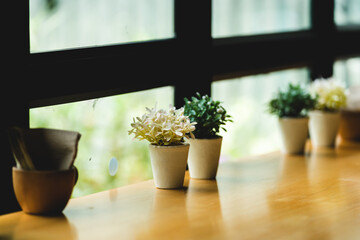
(167, 62)
(190, 62)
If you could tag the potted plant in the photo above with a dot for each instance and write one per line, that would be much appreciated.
(205, 149)
(165, 130)
(45, 176)
(292, 106)
(325, 119)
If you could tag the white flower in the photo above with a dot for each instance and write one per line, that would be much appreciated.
(331, 94)
(162, 127)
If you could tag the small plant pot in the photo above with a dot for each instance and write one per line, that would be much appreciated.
(204, 157)
(43, 192)
(350, 125)
(169, 165)
(294, 133)
(324, 127)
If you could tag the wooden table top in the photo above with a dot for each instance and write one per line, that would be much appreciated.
(315, 196)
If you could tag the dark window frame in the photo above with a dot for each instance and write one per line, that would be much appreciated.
(189, 62)
(192, 57)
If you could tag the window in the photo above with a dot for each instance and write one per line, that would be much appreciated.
(347, 12)
(246, 17)
(104, 125)
(348, 71)
(64, 24)
(254, 131)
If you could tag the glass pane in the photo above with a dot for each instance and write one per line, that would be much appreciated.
(254, 131)
(246, 17)
(63, 24)
(347, 12)
(104, 124)
(348, 71)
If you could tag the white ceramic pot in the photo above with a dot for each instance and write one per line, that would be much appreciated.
(294, 133)
(169, 164)
(324, 127)
(204, 157)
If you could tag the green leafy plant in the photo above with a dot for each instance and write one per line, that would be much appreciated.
(208, 114)
(294, 102)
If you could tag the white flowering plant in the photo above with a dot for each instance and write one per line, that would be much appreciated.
(330, 94)
(163, 127)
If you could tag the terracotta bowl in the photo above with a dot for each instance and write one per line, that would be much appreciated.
(350, 125)
(43, 192)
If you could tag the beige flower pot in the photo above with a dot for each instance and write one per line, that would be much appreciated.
(204, 157)
(324, 127)
(294, 133)
(169, 164)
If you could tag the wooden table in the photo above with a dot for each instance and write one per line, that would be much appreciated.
(316, 196)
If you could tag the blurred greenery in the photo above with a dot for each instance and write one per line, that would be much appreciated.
(348, 71)
(104, 125)
(242, 17)
(347, 12)
(64, 24)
